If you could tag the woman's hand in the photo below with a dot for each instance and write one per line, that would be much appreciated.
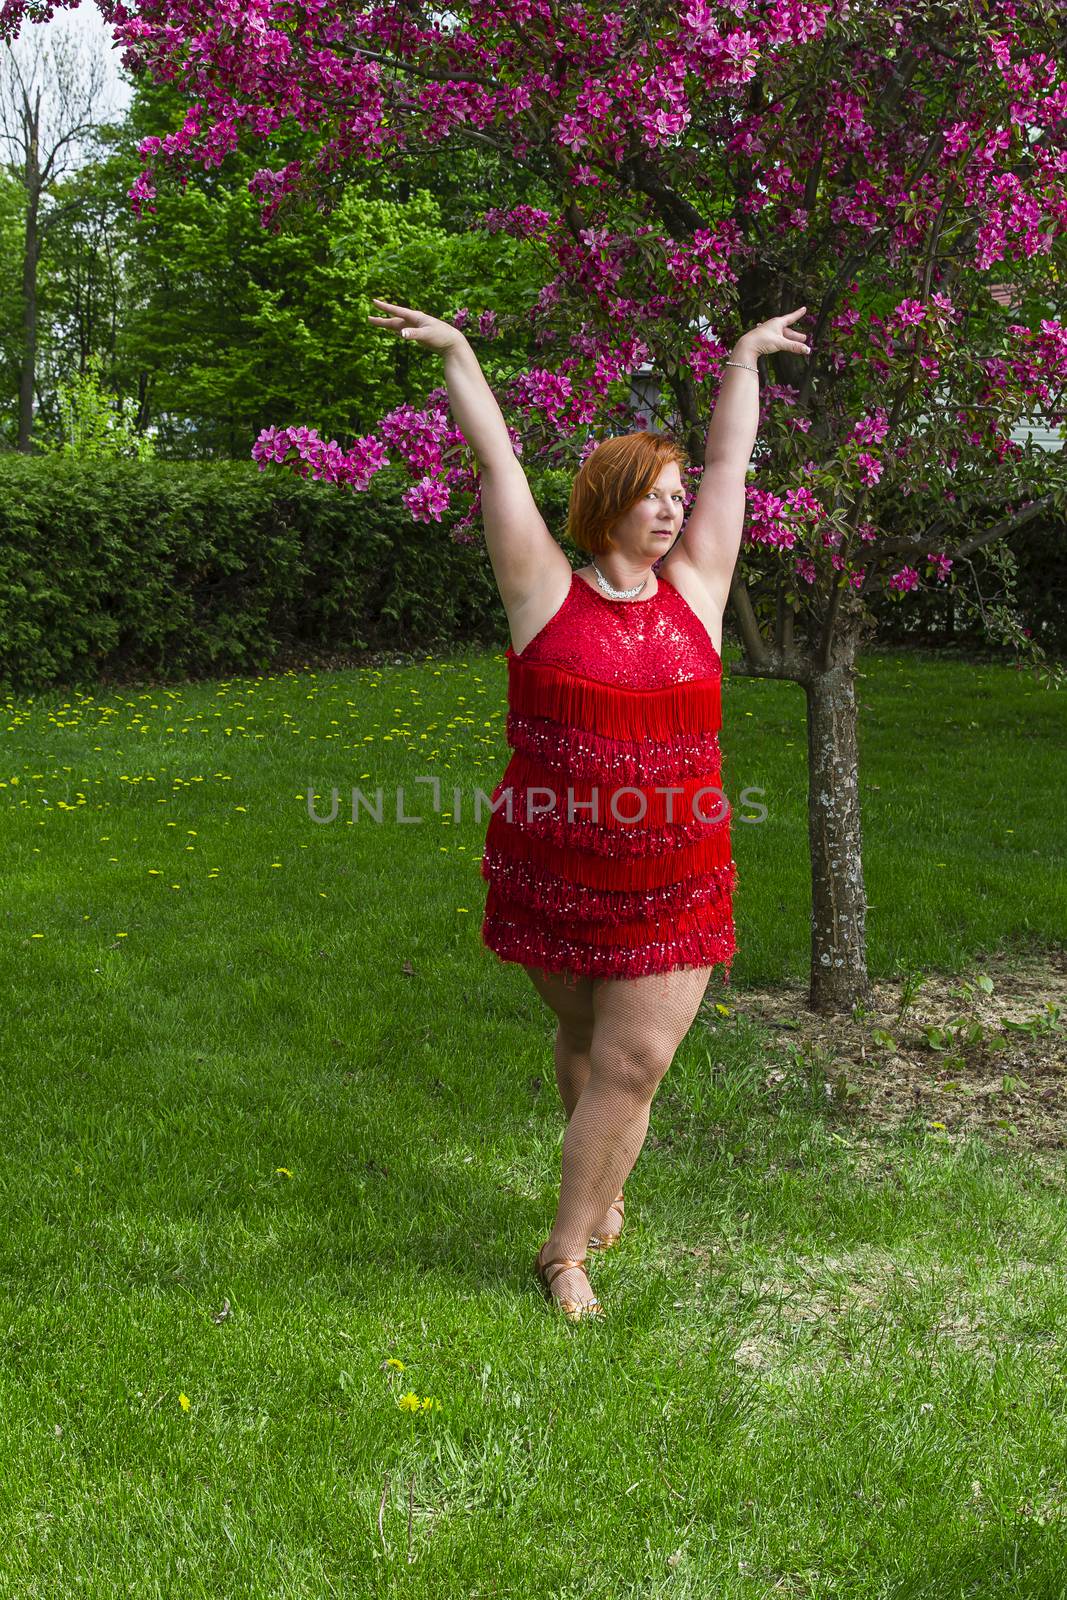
(769, 337)
(416, 325)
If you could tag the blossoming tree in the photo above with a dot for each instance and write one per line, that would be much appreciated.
(688, 170)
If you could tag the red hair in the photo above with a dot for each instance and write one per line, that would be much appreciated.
(611, 480)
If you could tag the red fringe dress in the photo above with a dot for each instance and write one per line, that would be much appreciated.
(591, 871)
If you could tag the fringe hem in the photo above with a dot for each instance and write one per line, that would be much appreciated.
(533, 947)
(632, 935)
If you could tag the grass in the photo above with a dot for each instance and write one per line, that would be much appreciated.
(274, 1119)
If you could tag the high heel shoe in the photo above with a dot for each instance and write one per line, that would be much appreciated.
(573, 1310)
(604, 1241)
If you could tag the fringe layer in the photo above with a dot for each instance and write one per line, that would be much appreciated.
(632, 935)
(594, 757)
(531, 946)
(537, 889)
(623, 845)
(628, 873)
(541, 800)
(539, 689)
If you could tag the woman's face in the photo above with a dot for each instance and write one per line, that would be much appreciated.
(651, 526)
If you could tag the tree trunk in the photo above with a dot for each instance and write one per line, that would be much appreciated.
(28, 373)
(838, 898)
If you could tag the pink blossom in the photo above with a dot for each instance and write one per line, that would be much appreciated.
(426, 500)
(870, 468)
(871, 429)
(908, 314)
(416, 436)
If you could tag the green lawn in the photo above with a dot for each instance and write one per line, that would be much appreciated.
(260, 1063)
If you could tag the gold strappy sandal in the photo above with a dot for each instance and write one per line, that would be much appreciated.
(604, 1241)
(549, 1271)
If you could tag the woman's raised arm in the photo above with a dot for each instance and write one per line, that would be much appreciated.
(472, 402)
(527, 562)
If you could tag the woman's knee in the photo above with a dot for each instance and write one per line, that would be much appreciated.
(635, 1067)
(572, 1002)
(576, 1034)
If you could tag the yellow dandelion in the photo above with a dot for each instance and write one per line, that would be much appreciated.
(939, 1125)
(183, 1401)
(393, 1362)
(409, 1402)
(724, 1011)
(283, 1172)
(431, 1405)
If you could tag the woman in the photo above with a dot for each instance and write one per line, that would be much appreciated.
(608, 851)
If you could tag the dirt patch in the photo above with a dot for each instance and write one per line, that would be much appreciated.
(984, 1052)
(800, 1316)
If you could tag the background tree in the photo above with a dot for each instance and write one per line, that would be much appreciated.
(220, 327)
(51, 104)
(96, 425)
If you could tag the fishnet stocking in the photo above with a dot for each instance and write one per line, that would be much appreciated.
(634, 1027)
(572, 1075)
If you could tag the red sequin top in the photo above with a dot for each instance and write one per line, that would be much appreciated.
(593, 869)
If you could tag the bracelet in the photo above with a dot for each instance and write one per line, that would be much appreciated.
(742, 364)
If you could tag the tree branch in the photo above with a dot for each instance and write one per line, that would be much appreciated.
(1009, 524)
(357, 53)
(914, 544)
(747, 625)
(674, 209)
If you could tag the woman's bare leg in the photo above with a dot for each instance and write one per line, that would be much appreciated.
(571, 999)
(638, 1024)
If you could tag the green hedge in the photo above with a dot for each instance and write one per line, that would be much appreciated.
(123, 571)
(168, 570)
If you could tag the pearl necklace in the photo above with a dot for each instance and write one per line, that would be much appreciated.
(618, 594)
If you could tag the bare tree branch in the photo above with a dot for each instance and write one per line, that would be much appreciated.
(51, 102)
